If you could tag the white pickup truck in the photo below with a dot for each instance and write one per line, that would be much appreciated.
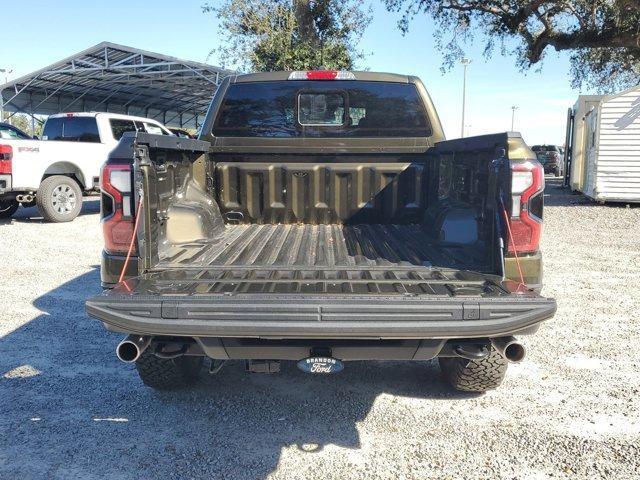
(54, 173)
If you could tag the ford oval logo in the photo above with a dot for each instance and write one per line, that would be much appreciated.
(321, 365)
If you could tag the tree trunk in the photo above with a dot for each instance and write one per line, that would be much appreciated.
(304, 19)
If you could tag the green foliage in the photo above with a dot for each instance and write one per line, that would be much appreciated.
(602, 36)
(23, 122)
(274, 35)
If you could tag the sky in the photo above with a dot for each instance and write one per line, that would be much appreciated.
(43, 32)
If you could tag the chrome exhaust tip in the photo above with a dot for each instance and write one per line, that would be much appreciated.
(130, 349)
(512, 350)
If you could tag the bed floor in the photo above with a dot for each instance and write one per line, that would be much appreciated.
(393, 259)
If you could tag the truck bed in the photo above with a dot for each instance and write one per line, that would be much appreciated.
(350, 259)
(343, 250)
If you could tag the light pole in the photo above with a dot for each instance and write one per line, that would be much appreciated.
(465, 63)
(7, 72)
(513, 116)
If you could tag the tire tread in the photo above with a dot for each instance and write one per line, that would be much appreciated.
(474, 375)
(168, 374)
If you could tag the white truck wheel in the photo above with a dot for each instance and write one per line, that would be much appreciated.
(59, 199)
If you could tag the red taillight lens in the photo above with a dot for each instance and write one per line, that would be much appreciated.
(117, 215)
(6, 156)
(527, 186)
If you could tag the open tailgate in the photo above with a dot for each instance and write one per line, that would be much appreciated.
(434, 306)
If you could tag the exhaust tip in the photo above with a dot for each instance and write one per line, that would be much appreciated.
(128, 351)
(514, 352)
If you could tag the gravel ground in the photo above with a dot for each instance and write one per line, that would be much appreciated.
(69, 409)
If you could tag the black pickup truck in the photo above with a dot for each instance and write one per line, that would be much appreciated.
(321, 217)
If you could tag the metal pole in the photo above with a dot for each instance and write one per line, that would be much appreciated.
(33, 119)
(513, 116)
(7, 72)
(465, 63)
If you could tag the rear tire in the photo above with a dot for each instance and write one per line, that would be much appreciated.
(8, 208)
(168, 374)
(59, 199)
(474, 375)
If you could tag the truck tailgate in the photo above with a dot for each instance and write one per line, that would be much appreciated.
(434, 303)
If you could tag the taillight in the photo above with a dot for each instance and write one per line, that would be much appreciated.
(322, 75)
(6, 156)
(116, 207)
(527, 188)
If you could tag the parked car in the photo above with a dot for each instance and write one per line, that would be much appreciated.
(322, 217)
(54, 173)
(551, 158)
(9, 132)
(180, 132)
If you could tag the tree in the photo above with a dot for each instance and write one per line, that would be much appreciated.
(602, 36)
(23, 122)
(267, 35)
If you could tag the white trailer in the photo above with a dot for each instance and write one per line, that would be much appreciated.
(604, 135)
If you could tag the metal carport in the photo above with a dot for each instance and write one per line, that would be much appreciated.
(116, 78)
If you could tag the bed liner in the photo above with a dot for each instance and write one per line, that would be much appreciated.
(365, 259)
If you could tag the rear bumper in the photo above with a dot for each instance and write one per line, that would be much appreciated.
(319, 317)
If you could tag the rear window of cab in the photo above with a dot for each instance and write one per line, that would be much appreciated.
(341, 108)
(71, 129)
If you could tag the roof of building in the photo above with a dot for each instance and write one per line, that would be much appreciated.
(120, 79)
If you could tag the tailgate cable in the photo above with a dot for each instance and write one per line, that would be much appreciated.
(513, 245)
(133, 239)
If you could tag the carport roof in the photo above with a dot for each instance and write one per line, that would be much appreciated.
(116, 78)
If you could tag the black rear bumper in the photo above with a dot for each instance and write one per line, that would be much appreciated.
(320, 316)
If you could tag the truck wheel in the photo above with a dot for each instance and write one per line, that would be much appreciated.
(8, 208)
(474, 375)
(168, 374)
(59, 199)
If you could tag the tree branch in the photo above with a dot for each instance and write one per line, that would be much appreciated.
(517, 21)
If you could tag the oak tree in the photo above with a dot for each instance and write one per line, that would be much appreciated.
(267, 35)
(601, 36)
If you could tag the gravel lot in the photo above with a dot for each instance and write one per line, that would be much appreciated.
(70, 409)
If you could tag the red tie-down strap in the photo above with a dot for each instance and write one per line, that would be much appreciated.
(138, 213)
(515, 250)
